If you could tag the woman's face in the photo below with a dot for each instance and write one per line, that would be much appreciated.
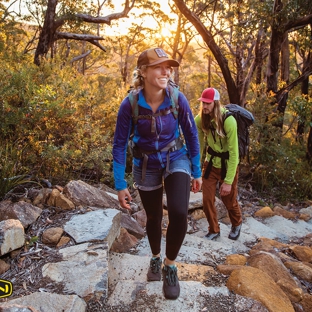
(157, 76)
(207, 108)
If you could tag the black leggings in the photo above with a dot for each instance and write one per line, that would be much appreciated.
(177, 187)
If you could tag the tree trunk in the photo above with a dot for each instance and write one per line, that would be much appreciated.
(275, 48)
(282, 103)
(209, 39)
(46, 37)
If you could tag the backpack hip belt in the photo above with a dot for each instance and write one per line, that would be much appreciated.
(174, 145)
(224, 156)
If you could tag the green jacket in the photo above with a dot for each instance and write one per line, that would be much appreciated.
(228, 143)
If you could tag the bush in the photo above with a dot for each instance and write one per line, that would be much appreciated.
(278, 159)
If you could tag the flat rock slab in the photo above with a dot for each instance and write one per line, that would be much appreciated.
(193, 296)
(134, 268)
(289, 228)
(48, 302)
(84, 270)
(101, 224)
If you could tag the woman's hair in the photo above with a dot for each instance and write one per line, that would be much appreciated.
(138, 80)
(218, 119)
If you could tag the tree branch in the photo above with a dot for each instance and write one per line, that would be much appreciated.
(97, 19)
(305, 20)
(77, 58)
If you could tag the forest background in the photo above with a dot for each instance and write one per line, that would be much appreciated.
(65, 67)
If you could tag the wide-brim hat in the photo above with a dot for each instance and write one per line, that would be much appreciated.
(209, 95)
(155, 56)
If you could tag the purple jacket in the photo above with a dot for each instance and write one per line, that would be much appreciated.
(167, 130)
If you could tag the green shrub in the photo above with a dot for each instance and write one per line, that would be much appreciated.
(280, 167)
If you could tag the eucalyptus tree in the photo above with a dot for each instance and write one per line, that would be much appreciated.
(229, 30)
(288, 16)
(243, 25)
(61, 16)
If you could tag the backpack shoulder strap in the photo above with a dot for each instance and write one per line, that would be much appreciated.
(174, 96)
(133, 98)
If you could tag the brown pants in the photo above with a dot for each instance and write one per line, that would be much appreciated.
(209, 188)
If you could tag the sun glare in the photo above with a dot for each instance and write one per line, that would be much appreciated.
(120, 27)
(165, 32)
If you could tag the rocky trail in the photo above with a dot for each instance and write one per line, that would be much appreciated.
(74, 249)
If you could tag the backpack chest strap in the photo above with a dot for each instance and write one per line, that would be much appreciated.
(224, 156)
(153, 117)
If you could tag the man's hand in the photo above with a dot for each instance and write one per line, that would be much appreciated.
(225, 189)
(124, 198)
(197, 184)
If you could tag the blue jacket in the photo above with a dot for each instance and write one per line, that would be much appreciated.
(167, 130)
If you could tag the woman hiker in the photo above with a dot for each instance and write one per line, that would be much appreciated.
(160, 159)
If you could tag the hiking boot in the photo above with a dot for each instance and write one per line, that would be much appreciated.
(212, 236)
(235, 232)
(154, 273)
(171, 286)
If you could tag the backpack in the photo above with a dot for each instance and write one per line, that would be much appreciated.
(244, 119)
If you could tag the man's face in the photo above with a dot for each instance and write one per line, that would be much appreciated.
(208, 107)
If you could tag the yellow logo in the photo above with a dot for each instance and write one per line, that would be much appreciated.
(6, 288)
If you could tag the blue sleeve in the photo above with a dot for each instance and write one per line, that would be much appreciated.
(121, 137)
(186, 120)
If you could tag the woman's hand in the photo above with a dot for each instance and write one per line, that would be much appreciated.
(197, 184)
(124, 198)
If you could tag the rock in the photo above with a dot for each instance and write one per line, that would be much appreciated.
(307, 240)
(124, 242)
(18, 308)
(306, 302)
(303, 253)
(11, 236)
(295, 294)
(52, 197)
(236, 259)
(86, 283)
(286, 214)
(227, 269)
(46, 302)
(3, 266)
(42, 197)
(64, 203)
(194, 272)
(198, 214)
(274, 267)
(264, 212)
(103, 225)
(52, 235)
(266, 244)
(24, 212)
(254, 283)
(63, 241)
(132, 226)
(81, 193)
(307, 211)
(247, 304)
(300, 269)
